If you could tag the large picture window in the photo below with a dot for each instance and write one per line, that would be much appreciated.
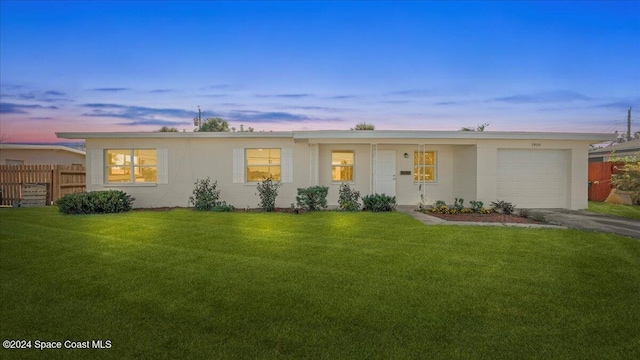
(424, 166)
(342, 165)
(262, 164)
(131, 165)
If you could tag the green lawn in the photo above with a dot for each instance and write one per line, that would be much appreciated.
(627, 211)
(181, 284)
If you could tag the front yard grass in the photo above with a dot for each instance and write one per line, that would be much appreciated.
(182, 284)
(627, 211)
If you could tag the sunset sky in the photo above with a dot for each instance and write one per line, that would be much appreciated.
(136, 66)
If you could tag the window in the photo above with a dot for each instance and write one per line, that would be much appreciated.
(424, 166)
(132, 165)
(342, 165)
(262, 163)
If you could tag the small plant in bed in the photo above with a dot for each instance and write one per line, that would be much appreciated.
(477, 213)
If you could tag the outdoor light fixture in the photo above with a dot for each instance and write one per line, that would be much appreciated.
(406, 156)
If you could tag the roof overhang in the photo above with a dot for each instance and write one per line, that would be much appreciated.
(474, 135)
(351, 134)
(172, 135)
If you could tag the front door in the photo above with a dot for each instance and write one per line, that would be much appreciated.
(385, 179)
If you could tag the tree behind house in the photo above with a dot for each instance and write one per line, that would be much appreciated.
(168, 129)
(477, 128)
(363, 126)
(215, 124)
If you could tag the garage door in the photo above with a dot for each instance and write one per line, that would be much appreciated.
(533, 178)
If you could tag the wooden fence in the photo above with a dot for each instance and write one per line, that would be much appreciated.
(59, 180)
(600, 179)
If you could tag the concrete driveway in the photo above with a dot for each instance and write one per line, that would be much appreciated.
(587, 220)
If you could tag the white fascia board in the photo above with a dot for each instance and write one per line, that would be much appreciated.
(171, 135)
(350, 134)
(475, 135)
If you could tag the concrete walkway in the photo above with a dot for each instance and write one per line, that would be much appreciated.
(558, 218)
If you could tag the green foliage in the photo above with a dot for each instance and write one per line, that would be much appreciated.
(628, 179)
(503, 207)
(95, 202)
(476, 205)
(215, 124)
(458, 204)
(440, 209)
(363, 126)
(205, 195)
(379, 203)
(223, 207)
(268, 191)
(349, 200)
(312, 198)
(168, 129)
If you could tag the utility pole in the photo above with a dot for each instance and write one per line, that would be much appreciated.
(198, 121)
(629, 124)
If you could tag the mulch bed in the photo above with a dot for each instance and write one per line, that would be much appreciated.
(490, 218)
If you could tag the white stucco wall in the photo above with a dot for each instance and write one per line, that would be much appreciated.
(465, 165)
(197, 158)
(466, 168)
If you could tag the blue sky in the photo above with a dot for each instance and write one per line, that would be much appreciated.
(136, 66)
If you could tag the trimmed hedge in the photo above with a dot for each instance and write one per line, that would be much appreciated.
(379, 203)
(312, 198)
(95, 202)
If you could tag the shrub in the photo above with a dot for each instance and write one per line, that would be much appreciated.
(268, 191)
(379, 202)
(439, 203)
(628, 179)
(458, 204)
(312, 198)
(349, 200)
(223, 207)
(476, 205)
(503, 207)
(442, 209)
(205, 195)
(95, 202)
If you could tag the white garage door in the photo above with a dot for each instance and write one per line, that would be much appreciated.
(533, 178)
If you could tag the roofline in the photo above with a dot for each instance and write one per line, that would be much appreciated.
(350, 134)
(179, 135)
(41, 147)
(489, 135)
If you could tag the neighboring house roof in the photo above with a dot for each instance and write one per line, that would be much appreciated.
(350, 134)
(626, 148)
(41, 147)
